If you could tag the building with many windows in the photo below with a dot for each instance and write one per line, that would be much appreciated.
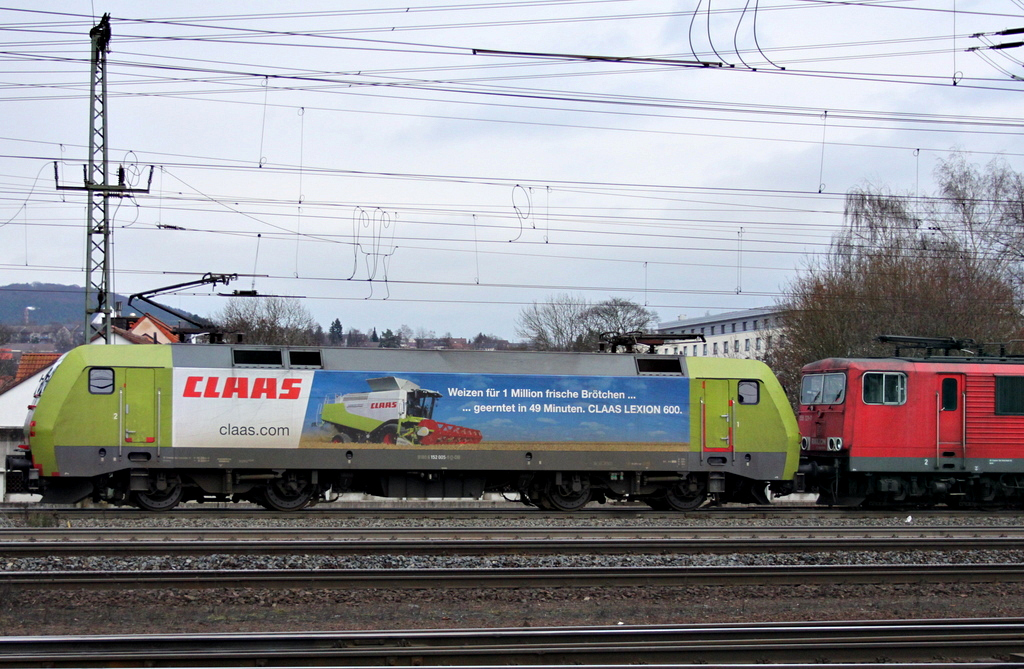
(734, 334)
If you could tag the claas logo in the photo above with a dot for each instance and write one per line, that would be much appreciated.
(243, 387)
(383, 405)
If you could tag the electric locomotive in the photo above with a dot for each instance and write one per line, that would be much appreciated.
(286, 427)
(913, 431)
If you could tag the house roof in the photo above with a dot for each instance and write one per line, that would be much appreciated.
(718, 318)
(126, 335)
(131, 337)
(164, 329)
(33, 363)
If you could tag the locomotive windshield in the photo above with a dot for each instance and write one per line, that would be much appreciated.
(46, 377)
(823, 389)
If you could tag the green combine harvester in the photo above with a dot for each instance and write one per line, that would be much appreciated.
(395, 411)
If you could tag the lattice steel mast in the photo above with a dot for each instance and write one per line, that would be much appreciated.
(97, 254)
(97, 248)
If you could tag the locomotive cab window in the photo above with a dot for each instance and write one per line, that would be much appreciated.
(749, 392)
(1010, 395)
(823, 388)
(46, 377)
(885, 388)
(101, 381)
(949, 394)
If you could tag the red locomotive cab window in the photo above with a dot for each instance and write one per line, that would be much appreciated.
(885, 388)
(823, 388)
(949, 395)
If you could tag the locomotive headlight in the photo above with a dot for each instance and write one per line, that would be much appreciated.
(805, 443)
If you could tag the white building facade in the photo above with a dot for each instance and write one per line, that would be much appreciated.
(734, 334)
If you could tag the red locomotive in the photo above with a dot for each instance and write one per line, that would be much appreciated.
(914, 431)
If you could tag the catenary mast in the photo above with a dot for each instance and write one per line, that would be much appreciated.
(98, 311)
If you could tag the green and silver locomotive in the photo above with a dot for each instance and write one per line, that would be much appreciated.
(287, 427)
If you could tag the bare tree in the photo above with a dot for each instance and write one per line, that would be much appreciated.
(270, 320)
(560, 324)
(570, 323)
(896, 270)
(63, 340)
(620, 316)
(983, 209)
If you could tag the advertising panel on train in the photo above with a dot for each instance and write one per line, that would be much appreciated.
(306, 408)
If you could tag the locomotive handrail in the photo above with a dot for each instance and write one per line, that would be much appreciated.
(938, 429)
(963, 427)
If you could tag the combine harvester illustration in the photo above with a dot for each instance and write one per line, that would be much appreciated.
(395, 411)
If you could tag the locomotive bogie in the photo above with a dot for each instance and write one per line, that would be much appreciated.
(154, 426)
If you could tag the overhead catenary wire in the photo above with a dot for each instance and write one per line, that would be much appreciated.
(266, 211)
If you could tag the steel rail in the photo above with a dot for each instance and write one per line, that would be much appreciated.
(555, 577)
(533, 547)
(728, 644)
(497, 541)
(483, 510)
(578, 533)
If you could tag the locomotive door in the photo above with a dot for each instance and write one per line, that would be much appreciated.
(140, 407)
(717, 415)
(950, 422)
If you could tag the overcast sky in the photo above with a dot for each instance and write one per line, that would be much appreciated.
(383, 164)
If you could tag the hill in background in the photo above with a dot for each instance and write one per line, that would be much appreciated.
(59, 303)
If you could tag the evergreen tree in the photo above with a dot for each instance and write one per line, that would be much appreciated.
(335, 333)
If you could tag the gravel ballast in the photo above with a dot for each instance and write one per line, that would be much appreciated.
(254, 609)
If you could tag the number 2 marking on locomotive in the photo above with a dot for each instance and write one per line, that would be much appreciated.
(115, 415)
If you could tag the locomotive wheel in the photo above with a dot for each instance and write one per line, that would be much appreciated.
(287, 494)
(159, 500)
(685, 496)
(564, 498)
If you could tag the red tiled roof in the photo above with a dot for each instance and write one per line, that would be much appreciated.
(33, 363)
(132, 337)
(159, 324)
(128, 336)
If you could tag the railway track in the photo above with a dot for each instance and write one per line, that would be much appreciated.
(935, 644)
(530, 577)
(64, 542)
(31, 514)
